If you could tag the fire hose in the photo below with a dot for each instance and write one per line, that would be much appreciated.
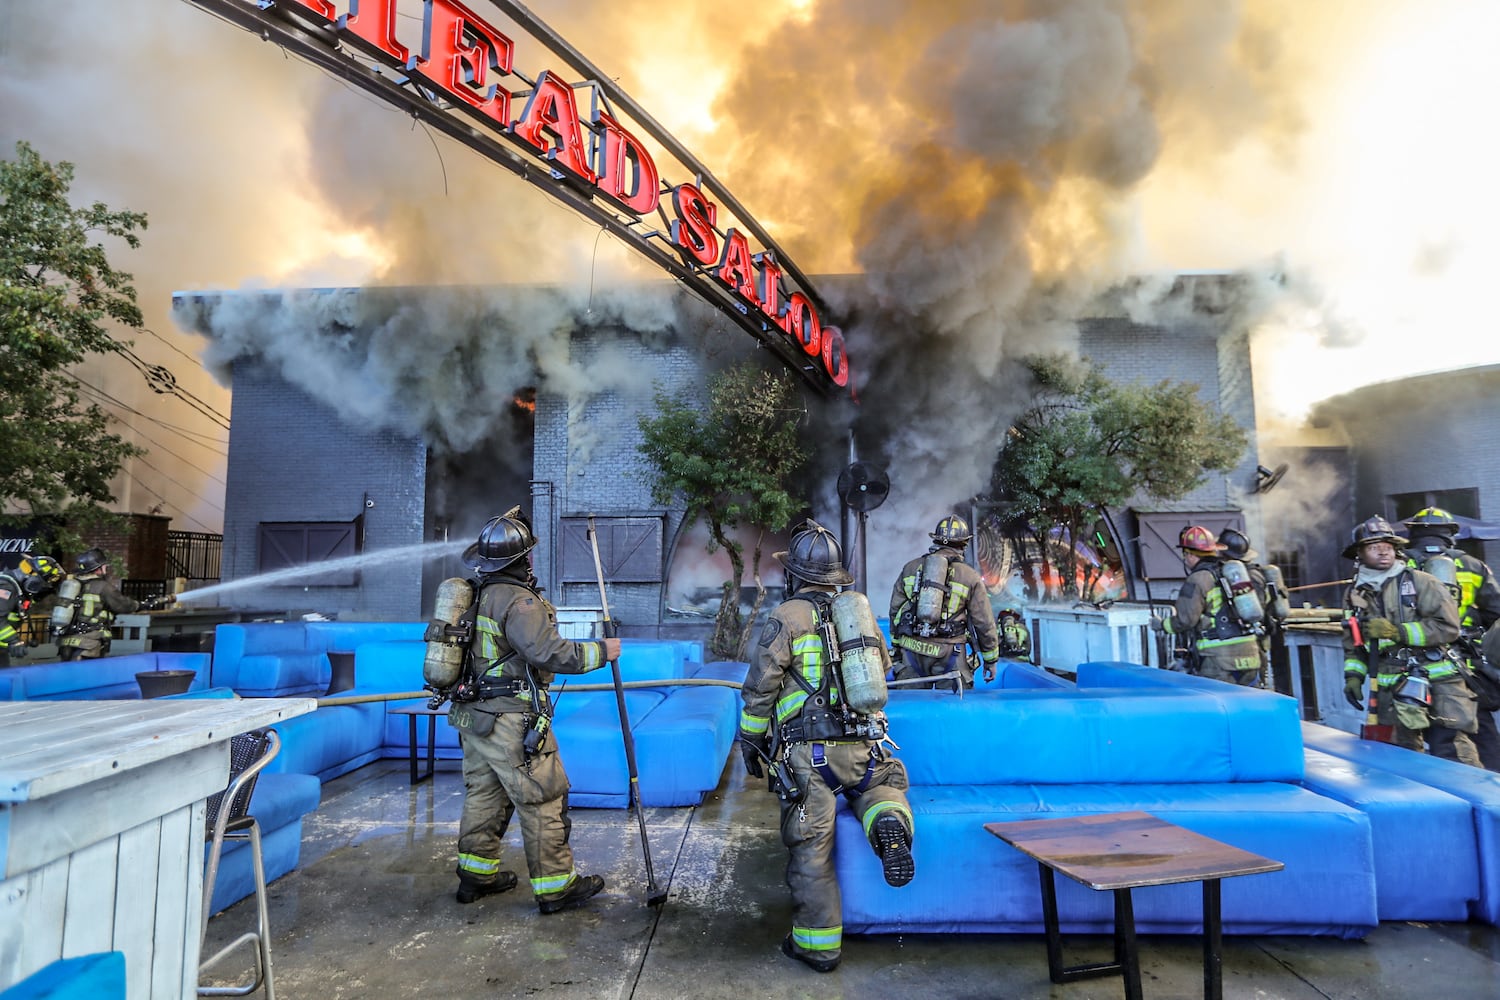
(364, 699)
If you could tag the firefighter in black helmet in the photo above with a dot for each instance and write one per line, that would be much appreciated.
(1433, 532)
(1266, 579)
(510, 759)
(1403, 621)
(818, 750)
(87, 636)
(940, 605)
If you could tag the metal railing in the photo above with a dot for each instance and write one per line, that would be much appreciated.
(194, 554)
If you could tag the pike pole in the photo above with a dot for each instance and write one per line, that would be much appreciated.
(655, 896)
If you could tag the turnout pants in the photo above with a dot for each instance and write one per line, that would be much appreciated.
(807, 829)
(498, 783)
(1234, 663)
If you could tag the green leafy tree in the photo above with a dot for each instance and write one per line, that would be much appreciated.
(734, 464)
(1086, 443)
(57, 290)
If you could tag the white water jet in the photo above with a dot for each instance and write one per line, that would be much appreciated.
(422, 551)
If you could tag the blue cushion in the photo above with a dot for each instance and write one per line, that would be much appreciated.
(389, 665)
(1265, 728)
(1327, 887)
(724, 670)
(1426, 855)
(648, 660)
(327, 741)
(1065, 736)
(1474, 785)
(681, 746)
(1016, 674)
(99, 976)
(345, 636)
(105, 677)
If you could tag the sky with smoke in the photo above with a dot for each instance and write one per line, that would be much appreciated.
(962, 157)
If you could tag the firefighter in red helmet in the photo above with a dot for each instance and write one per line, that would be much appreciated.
(1219, 643)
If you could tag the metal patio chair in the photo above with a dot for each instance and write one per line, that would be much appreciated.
(249, 753)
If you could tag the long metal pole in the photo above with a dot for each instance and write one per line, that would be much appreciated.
(654, 895)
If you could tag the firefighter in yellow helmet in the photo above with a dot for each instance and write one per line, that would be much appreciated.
(1403, 621)
(939, 606)
(1432, 532)
(1219, 644)
(819, 750)
(87, 636)
(32, 579)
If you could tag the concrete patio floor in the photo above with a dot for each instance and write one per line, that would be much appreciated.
(370, 913)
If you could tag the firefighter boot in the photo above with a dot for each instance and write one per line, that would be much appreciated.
(470, 889)
(893, 844)
(582, 887)
(814, 961)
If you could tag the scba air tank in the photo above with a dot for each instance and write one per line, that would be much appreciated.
(67, 603)
(1242, 592)
(1445, 569)
(932, 588)
(862, 652)
(1276, 594)
(444, 663)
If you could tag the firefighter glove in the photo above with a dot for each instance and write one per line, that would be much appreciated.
(989, 672)
(1354, 690)
(752, 749)
(1157, 623)
(1382, 628)
(17, 650)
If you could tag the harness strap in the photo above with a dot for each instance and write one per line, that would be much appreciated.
(820, 764)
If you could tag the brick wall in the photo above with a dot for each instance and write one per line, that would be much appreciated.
(292, 459)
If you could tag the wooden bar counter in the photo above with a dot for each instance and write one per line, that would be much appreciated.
(102, 832)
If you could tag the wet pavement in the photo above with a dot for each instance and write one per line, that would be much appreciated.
(370, 913)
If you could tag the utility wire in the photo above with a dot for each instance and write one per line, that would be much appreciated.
(174, 454)
(105, 397)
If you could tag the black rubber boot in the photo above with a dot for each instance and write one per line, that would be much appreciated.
(470, 889)
(893, 844)
(814, 961)
(583, 888)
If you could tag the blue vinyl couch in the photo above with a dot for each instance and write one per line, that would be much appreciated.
(1450, 810)
(1221, 765)
(683, 734)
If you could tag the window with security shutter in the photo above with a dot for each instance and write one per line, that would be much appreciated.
(630, 549)
(286, 544)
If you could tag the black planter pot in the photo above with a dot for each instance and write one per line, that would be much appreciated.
(343, 672)
(156, 683)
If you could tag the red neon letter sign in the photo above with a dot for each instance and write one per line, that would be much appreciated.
(835, 361)
(552, 110)
(375, 22)
(801, 324)
(464, 49)
(736, 262)
(693, 229)
(623, 159)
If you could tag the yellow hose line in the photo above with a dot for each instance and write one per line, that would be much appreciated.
(362, 699)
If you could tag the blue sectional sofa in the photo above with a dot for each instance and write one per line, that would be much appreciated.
(1410, 799)
(1479, 790)
(683, 734)
(109, 677)
(1183, 755)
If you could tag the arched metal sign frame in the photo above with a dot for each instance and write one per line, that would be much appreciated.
(460, 81)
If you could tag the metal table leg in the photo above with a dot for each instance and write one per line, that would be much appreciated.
(1127, 958)
(1213, 933)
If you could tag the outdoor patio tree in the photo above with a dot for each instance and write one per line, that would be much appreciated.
(1087, 443)
(57, 290)
(734, 463)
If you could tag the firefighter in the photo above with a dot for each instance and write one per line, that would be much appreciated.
(819, 751)
(87, 635)
(1432, 532)
(1268, 588)
(1015, 637)
(939, 606)
(510, 758)
(1221, 645)
(32, 579)
(1400, 621)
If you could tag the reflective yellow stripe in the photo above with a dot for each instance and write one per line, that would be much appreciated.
(818, 938)
(883, 806)
(755, 725)
(552, 883)
(807, 659)
(478, 865)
